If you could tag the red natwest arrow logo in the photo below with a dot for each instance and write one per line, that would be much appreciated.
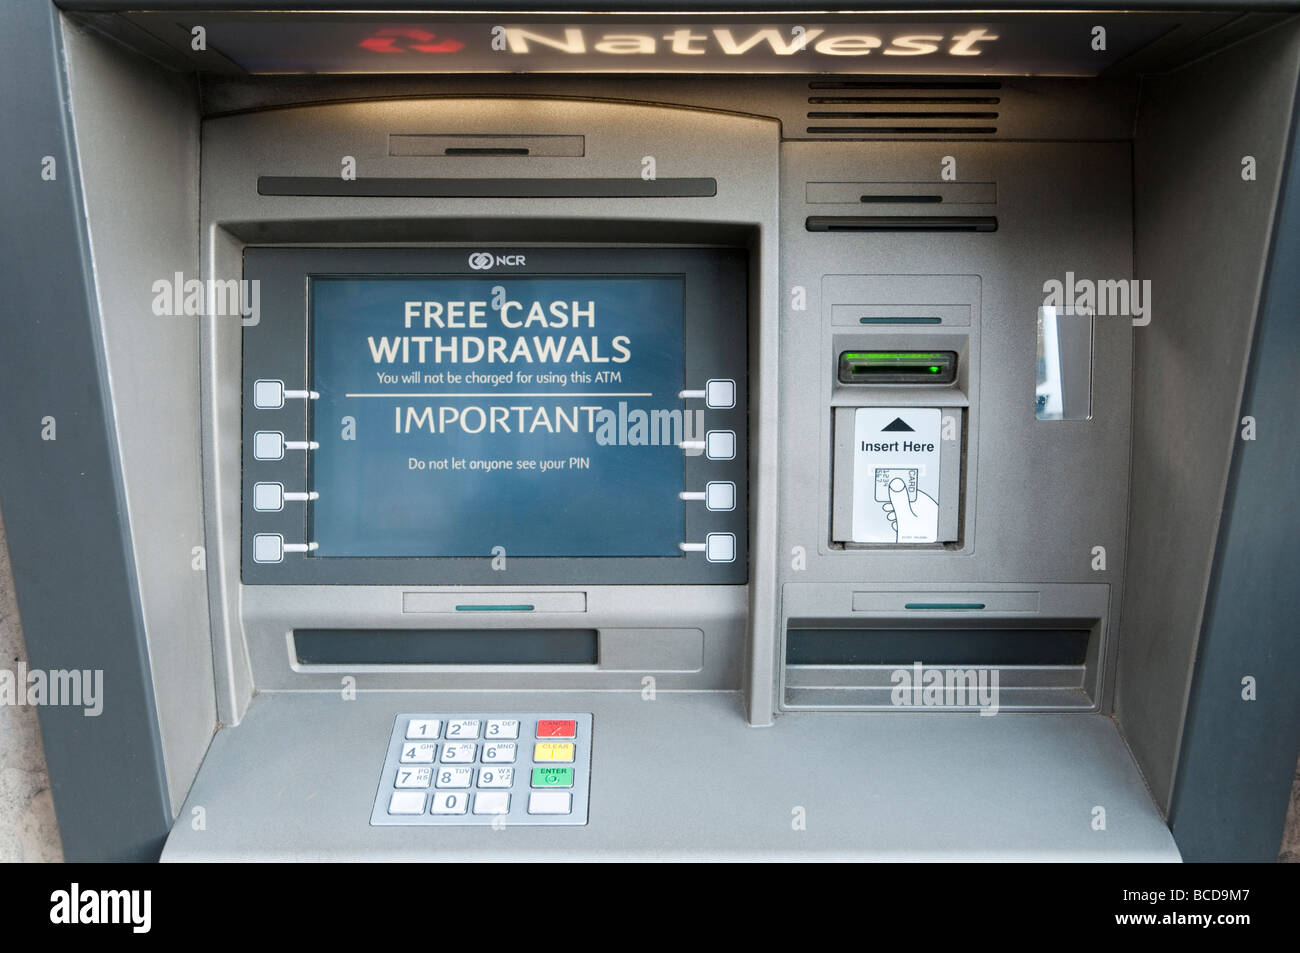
(411, 39)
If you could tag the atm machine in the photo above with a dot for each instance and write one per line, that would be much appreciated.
(731, 433)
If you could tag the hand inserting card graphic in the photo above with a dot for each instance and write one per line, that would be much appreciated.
(912, 512)
(908, 475)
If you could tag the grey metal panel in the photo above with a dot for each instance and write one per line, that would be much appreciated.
(858, 194)
(1039, 185)
(1238, 757)
(684, 778)
(222, 396)
(64, 499)
(1038, 495)
(896, 600)
(1201, 238)
(253, 625)
(143, 226)
(639, 627)
(485, 601)
(1028, 108)
(477, 146)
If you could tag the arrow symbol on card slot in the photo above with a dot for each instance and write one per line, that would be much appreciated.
(897, 425)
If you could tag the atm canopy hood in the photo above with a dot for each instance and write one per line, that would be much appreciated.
(637, 38)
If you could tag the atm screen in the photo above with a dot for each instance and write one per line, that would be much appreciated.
(435, 414)
(542, 415)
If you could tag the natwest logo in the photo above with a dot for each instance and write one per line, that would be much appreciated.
(732, 42)
(482, 261)
(404, 39)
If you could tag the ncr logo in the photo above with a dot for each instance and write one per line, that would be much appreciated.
(482, 261)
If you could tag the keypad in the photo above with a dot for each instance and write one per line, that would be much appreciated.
(462, 768)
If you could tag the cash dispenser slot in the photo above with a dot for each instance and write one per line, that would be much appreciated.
(1006, 647)
(1046, 645)
(478, 646)
(1039, 663)
(898, 367)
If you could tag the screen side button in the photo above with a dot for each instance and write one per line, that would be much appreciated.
(720, 547)
(720, 496)
(720, 394)
(720, 445)
(268, 445)
(268, 394)
(268, 497)
(268, 548)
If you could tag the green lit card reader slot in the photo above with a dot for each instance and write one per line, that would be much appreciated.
(898, 367)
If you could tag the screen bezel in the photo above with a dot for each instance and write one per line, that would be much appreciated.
(715, 334)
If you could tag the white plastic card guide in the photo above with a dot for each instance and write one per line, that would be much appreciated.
(896, 474)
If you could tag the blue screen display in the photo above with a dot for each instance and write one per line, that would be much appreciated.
(498, 417)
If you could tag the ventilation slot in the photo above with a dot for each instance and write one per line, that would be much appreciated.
(865, 108)
(902, 223)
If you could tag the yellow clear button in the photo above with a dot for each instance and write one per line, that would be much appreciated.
(553, 751)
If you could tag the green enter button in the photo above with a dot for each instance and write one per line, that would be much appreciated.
(552, 777)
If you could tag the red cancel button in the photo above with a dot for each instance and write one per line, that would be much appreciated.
(555, 728)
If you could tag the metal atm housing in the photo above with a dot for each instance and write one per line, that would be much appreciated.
(1107, 542)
